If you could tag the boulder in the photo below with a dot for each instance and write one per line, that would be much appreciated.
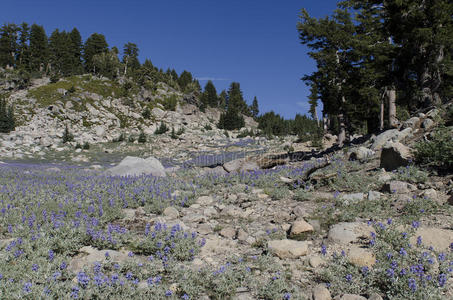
(288, 248)
(428, 123)
(361, 154)
(320, 292)
(240, 165)
(88, 256)
(135, 166)
(413, 123)
(300, 226)
(390, 135)
(395, 155)
(398, 187)
(361, 257)
(351, 198)
(345, 233)
(439, 239)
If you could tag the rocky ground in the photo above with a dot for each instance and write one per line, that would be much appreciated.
(362, 222)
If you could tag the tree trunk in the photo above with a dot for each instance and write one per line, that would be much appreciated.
(342, 124)
(381, 115)
(391, 97)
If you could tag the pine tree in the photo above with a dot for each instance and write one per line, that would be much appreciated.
(209, 96)
(254, 110)
(8, 45)
(95, 44)
(223, 99)
(236, 100)
(185, 79)
(61, 54)
(23, 55)
(7, 120)
(76, 51)
(130, 57)
(39, 54)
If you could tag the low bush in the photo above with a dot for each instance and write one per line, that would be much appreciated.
(438, 151)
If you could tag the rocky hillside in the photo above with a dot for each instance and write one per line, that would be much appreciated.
(98, 110)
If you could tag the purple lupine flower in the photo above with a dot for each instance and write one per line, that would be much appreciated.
(323, 249)
(442, 279)
(348, 277)
(412, 284)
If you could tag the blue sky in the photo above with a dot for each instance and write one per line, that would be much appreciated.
(254, 42)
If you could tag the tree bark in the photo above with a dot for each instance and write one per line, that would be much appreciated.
(391, 97)
(381, 115)
(342, 124)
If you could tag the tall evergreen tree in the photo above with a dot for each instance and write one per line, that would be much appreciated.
(95, 44)
(61, 54)
(39, 54)
(254, 110)
(130, 57)
(23, 55)
(209, 96)
(236, 100)
(223, 99)
(185, 79)
(76, 51)
(8, 45)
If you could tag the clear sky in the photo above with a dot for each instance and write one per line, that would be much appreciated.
(254, 42)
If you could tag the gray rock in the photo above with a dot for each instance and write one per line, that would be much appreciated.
(390, 135)
(228, 232)
(374, 195)
(88, 256)
(135, 166)
(288, 248)
(239, 165)
(352, 297)
(320, 292)
(345, 233)
(395, 155)
(204, 200)
(398, 187)
(413, 123)
(428, 123)
(375, 296)
(355, 197)
(361, 154)
(439, 239)
(171, 212)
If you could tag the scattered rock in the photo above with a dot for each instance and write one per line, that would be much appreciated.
(320, 292)
(361, 257)
(361, 154)
(88, 256)
(439, 239)
(288, 248)
(346, 233)
(171, 212)
(390, 135)
(300, 226)
(352, 297)
(413, 123)
(398, 187)
(315, 261)
(395, 155)
(204, 200)
(240, 165)
(374, 195)
(356, 197)
(228, 232)
(428, 123)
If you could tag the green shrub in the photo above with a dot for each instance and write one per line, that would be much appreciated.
(180, 131)
(78, 146)
(231, 120)
(161, 129)
(142, 137)
(120, 138)
(170, 103)
(86, 146)
(207, 127)
(7, 120)
(146, 113)
(67, 136)
(173, 134)
(131, 139)
(438, 151)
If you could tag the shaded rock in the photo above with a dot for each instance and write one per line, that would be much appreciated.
(430, 194)
(395, 155)
(288, 248)
(361, 154)
(428, 123)
(135, 166)
(346, 233)
(413, 123)
(398, 187)
(219, 170)
(375, 296)
(320, 292)
(361, 257)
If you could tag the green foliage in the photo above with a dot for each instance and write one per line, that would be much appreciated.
(402, 114)
(173, 134)
(180, 131)
(142, 137)
(67, 136)
(396, 274)
(7, 119)
(161, 129)
(207, 127)
(438, 151)
(170, 102)
(209, 96)
(246, 133)
(95, 44)
(131, 139)
(86, 146)
(146, 114)
(411, 173)
(254, 110)
(231, 120)
(120, 138)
